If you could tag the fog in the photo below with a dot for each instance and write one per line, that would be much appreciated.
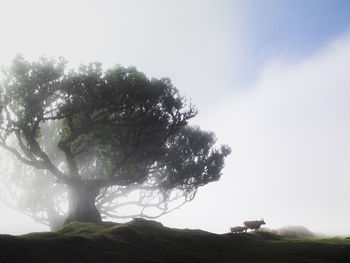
(286, 117)
(290, 148)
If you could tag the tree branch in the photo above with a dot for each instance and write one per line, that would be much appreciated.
(20, 157)
(73, 170)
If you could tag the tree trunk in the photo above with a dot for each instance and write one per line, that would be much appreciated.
(55, 219)
(82, 206)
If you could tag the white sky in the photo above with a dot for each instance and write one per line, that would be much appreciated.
(288, 128)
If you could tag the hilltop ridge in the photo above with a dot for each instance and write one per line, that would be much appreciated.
(149, 241)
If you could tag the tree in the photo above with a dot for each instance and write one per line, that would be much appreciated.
(110, 133)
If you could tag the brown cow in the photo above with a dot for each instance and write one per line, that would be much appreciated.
(238, 229)
(254, 224)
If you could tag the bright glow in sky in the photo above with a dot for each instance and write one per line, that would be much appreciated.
(271, 82)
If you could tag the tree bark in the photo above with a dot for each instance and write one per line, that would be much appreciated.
(82, 206)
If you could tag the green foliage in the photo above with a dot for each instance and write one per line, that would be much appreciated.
(102, 129)
(30, 89)
(190, 159)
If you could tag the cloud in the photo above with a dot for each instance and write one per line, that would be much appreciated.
(290, 139)
(290, 146)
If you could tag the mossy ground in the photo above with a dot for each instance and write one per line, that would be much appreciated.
(149, 241)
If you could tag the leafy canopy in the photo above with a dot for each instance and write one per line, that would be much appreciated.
(115, 130)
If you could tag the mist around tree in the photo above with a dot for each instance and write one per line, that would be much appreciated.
(86, 144)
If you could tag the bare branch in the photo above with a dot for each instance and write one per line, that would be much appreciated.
(20, 157)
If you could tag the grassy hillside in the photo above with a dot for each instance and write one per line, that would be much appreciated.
(149, 241)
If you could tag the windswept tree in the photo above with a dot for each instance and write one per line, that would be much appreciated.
(110, 133)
